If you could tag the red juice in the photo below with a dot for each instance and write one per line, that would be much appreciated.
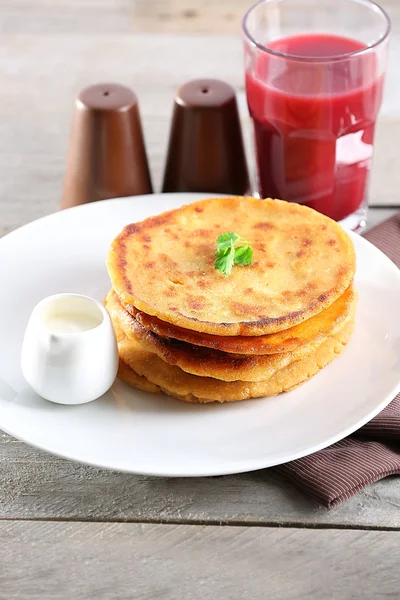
(314, 121)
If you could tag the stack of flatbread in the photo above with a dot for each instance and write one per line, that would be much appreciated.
(185, 328)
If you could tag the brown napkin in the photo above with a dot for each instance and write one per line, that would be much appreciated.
(336, 473)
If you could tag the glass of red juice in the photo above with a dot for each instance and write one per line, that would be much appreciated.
(314, 82)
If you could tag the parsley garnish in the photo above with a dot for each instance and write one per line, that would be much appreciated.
(232, 249)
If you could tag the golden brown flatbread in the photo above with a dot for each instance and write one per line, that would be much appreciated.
(191, 388)
(164, 266)
(206, 362)
(138, 381)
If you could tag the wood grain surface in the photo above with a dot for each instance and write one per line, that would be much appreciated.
(69, 531)
(36, 485)
(147, 562)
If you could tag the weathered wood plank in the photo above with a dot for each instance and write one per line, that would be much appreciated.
(189, 16)
(109, 39)
(66, 16)
(123, 16)
(36, 485)
(98, 561)
(23, 203)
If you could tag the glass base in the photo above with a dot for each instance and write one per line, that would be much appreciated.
(357, 220)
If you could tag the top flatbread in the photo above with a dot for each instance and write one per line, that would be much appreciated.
(164, 266)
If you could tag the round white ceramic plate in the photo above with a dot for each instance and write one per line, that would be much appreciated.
(128, 430)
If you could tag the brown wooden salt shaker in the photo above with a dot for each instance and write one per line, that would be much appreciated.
(107, 156)
(206, 151)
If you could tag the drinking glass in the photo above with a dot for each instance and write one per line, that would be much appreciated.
(314, 83)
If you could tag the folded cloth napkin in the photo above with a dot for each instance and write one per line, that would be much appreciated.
(336, 473)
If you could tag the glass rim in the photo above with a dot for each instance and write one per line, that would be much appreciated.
(368, 3)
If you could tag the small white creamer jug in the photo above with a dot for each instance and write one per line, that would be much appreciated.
(69, 352)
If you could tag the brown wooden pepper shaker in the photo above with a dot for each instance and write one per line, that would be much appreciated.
(206, 152)
(107, 156)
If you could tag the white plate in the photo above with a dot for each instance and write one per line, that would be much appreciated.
(153, 434)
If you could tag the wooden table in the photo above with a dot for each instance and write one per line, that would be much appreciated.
(77, 532)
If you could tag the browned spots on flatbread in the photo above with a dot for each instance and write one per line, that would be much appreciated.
(171, 291)
(241, 308)
(130, 230)
(157, 221)
(264, 226)
(167, 259)
(192, 274)
(201, 232)
(291, 253)
(342, 270)
(196, 302)
(122, 264)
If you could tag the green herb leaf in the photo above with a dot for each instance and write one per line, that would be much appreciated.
(226, 240)
(227, 255)
(224, 260)
(243, 256)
